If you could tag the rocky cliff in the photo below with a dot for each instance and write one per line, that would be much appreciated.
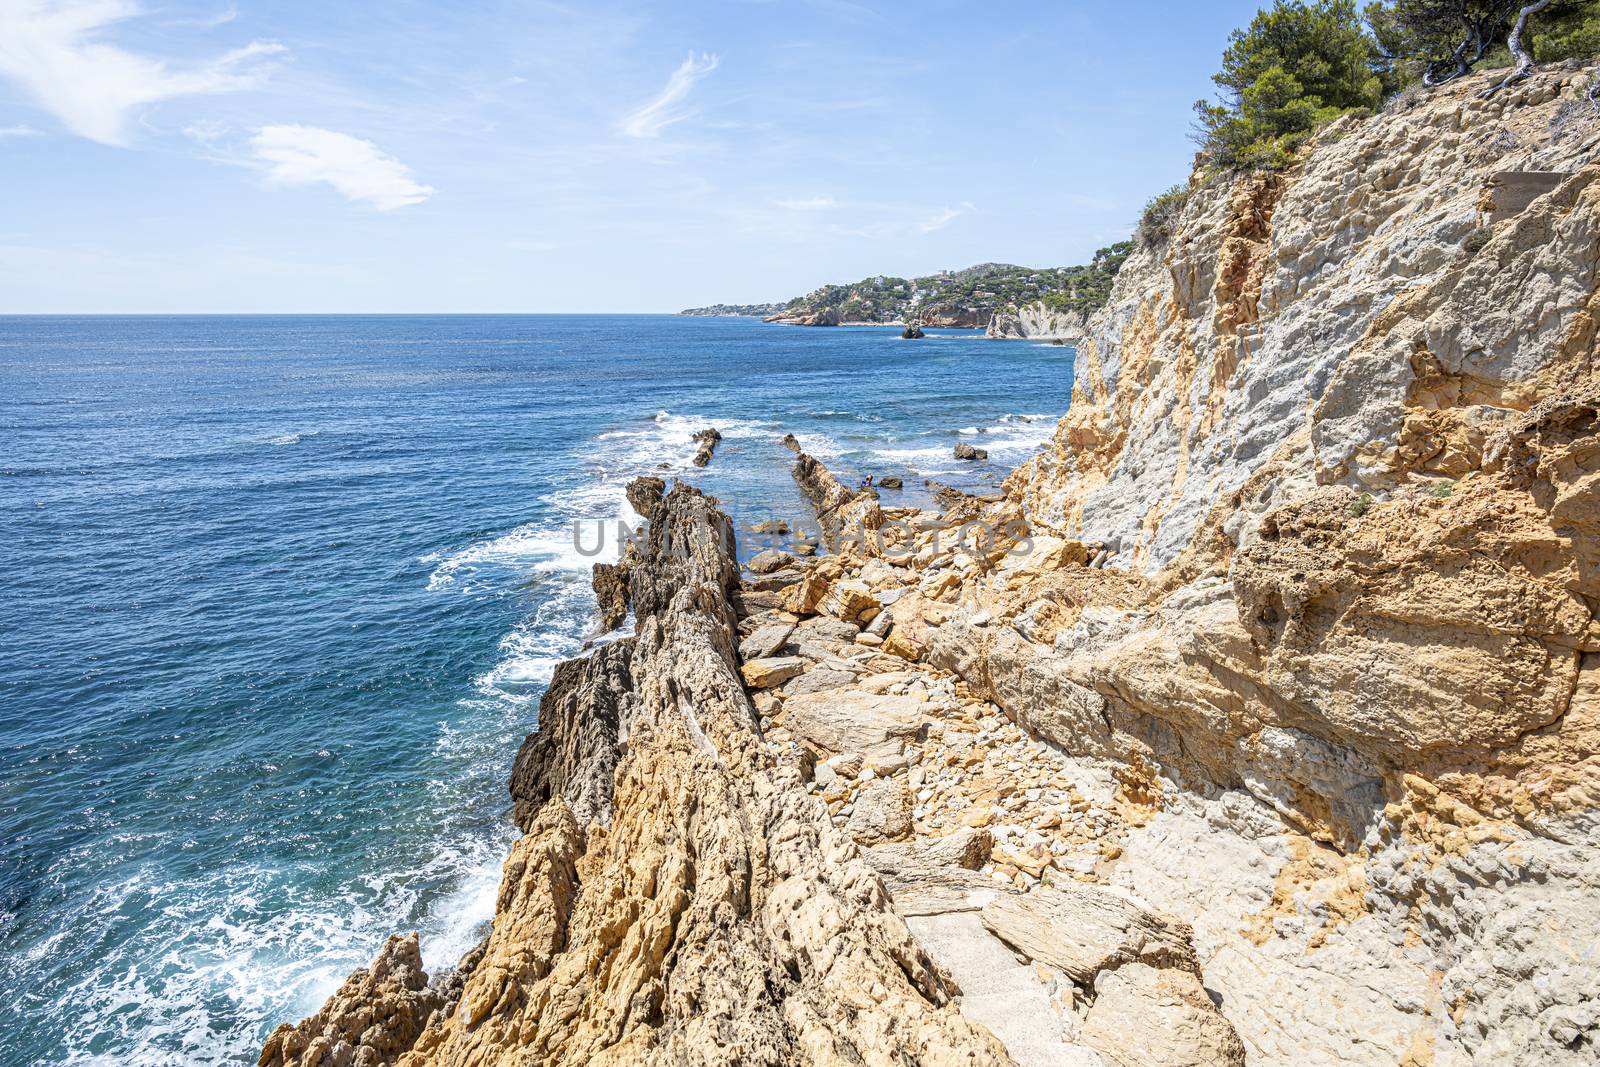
(1336, 442)
(1038, 321)
(1258, 721)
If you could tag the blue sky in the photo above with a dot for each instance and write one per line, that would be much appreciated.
(240, 156)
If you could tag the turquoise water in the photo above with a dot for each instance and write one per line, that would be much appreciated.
(281, 593)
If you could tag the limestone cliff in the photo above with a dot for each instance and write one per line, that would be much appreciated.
(1038, 321)
(1340, 440)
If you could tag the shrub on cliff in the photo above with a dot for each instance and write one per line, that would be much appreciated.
(1298, 65)
(1161, 215)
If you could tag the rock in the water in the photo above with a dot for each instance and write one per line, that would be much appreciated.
(645, 495)
(891, 481)
(707, 439)
(770, 526)
(912, 332)
(966, 451)
(373, 1019)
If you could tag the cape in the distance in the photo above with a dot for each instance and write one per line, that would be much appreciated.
(1004, 299)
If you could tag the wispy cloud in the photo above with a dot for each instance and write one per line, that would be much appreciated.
(667, 107)
(812, 203)
(18, 131)
(358, 169)
(532, 246)
(51, 48)
(943, 217)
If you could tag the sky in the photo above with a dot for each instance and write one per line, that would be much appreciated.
(232, 156)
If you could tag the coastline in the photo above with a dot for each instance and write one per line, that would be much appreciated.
(1257, 713)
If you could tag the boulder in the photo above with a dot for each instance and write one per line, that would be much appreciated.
(912, 332)
(1082, 930)
(770, 671)
(897, 644)
(776, 580)
(765, 641)
(966, 451)
(770, 560)
(851, 601)
(882, 812)
(1160, 1017)
(1042, 555)
(891, 481)
(850, 720)
(819, 680)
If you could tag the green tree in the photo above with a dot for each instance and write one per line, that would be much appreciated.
(1435, 41)
(1298, 65)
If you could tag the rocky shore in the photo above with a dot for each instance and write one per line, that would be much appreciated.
(1256, 721)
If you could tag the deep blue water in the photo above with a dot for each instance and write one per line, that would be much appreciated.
(280, 595)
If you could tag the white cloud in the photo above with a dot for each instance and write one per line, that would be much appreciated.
(308, 155)
(813, 203)
(665, 109)
(942, 218)
(49, 47)
(18, 131)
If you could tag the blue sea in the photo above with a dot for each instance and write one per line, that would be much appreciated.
(280, 595)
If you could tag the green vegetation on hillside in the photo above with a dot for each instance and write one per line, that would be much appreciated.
(1302, 63)
(1296, 66)
(1087, 288)
(982, 289)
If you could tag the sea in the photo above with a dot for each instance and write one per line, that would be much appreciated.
(279, 596)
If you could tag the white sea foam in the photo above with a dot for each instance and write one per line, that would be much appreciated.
(293, 438)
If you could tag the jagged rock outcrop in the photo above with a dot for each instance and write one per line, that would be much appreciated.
(707, 440)
(838, 507)
(1037, 321)
(610, 584)
(373, 1018)
(676, 897)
